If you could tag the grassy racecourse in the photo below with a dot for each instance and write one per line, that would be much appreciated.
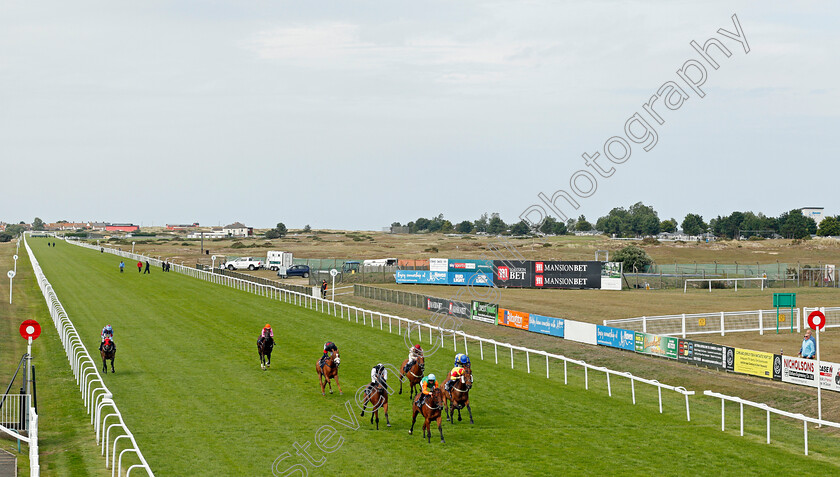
(189, 385)
(66, 436)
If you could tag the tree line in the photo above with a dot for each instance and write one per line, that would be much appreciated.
(641, 220)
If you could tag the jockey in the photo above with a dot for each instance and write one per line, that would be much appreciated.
(107, 332)
(328, 346)
(454, 375)
(378, 377)
(427, 386)
(462, 360)
(415, 352)
(265, 333)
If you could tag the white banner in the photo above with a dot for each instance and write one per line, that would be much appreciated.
(439, 264)
(581, 332)
(803, 372)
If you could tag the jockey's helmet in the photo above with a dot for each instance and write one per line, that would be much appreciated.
(431, 378)
(267, 326)
(417, 346)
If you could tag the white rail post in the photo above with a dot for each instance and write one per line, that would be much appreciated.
(722, 414)
(742, 417)
(546, 367)
(659, 388)
(528, 361)
(565, 372)
(481, 347)
(466, 351)
(683, 325)
(586, 376)
(761, 321)
(644, 324)
(633, 389)
(722, 327)
(511, 357)
(454, 343)
(609, 388)
(768, 427)
(805, 423)
(496, 351)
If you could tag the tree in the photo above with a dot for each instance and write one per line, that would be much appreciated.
(393, 224)
(633, 257)
(421, 224)
(37, 224)
(281, 229)
(496, 225)
(693, 224)
(547, 225)
(795, 225)
(464, 227)
(272, 234)
(308, 229)
(14, 230)
(830, 226)
(481, 224)
(582, 225)
(560, 229)
(669, 226)
(520, 228)
(4, 237)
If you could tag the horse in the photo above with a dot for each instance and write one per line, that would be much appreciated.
(431, 412)
(458, 397)
(415, 375)
(329, 371)
(264, 347)
(378, 397)
(108, 351)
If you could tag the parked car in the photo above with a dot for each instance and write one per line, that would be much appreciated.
(242, 263)
(295, 271)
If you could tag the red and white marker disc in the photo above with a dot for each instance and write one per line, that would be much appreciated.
(816, 320)
(30, 329)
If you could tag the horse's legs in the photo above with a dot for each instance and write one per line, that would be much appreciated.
(470, 411)
(320, 380)
(387, 421)
(340, 392)
(104, 365)
(459, 414)
(401, 381)
(329, 383)
(413, 420)
(112, 365)
(377, 419)
(364, 405)
(441, 430)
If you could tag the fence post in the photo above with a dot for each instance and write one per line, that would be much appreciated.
(644, 324)
(683, 325)
(722, 327)
(761, 322)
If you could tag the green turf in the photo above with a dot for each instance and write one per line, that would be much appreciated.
(66, 439)
(190, 388)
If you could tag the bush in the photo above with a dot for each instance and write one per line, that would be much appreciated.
(238, 245)
(4, 237)
(633, 256)
(186, 244)
(650, 241)
(432, 250)
(755, 238)
(272, 234)
(546, 244)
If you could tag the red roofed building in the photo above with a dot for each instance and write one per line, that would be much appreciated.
(121, 228)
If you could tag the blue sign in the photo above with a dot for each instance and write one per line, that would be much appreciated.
(616, 337)
(470, 266)
(471, 279)
(422, 276)
(547, 325)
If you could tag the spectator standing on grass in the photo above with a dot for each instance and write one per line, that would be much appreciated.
(139, 267)
(324, 289)
(122, 266)
(809, 346)
(147, 269)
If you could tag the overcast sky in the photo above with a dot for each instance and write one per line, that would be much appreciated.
(356, 114)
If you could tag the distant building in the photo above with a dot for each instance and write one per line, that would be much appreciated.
(181, 226)
(815, 213)
(98, 225)
(121, 228)
(67, 226)
(215, 232)
(238, 229)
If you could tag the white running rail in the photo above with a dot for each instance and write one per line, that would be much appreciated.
(800, 417)
(97, 398)
(372, 318)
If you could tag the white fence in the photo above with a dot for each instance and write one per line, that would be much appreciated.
(725, 280)
(717, 323)
(96, 397)
(17, 412)
(800, 417)
(386, 321)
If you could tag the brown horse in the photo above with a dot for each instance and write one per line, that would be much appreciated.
(378, 397)
(108, 351)
(415, 375)
(264, 348)
(329, 371)
(431, 411)
(458, 397)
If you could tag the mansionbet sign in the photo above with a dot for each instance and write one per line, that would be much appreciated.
(513, 273)
(567, 274)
